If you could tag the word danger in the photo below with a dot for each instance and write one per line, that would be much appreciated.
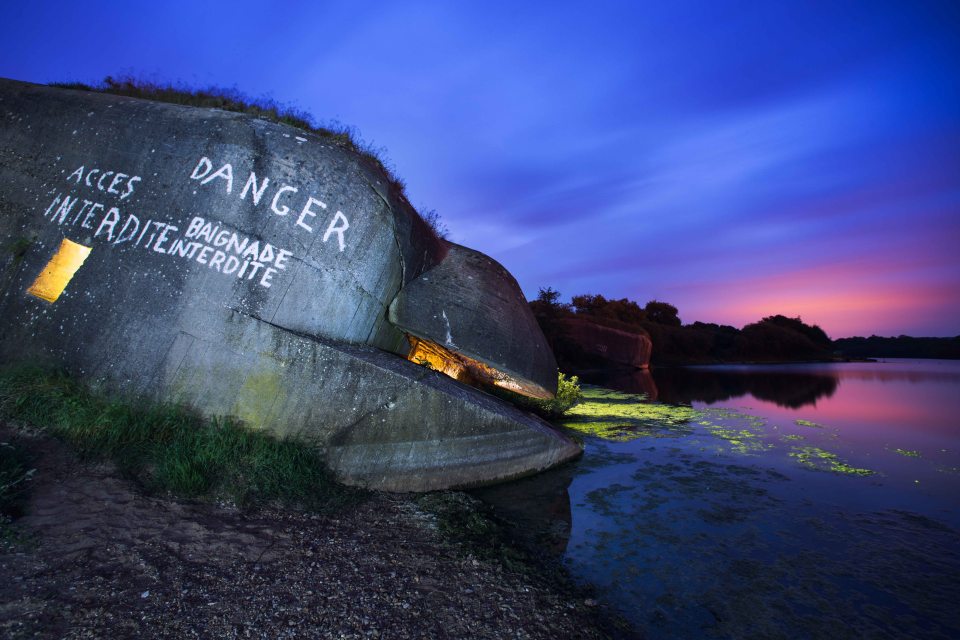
(282, 194)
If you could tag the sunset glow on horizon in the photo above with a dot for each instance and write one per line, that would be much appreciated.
(735, 160)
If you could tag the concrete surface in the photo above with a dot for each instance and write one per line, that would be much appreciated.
(247, 268)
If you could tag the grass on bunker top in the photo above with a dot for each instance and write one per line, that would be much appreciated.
(264, 108)
(169, 448)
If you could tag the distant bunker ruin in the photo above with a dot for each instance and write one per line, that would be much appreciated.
(251, 269)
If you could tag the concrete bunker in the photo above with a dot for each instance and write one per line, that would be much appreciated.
(252, 269)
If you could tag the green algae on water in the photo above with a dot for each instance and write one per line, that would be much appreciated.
(740, 440)
(822, 460)
(808, 423)
(613, 415)
(910, 453)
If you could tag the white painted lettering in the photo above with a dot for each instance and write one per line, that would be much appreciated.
(53, 204)
(236, 246)
(193, 230)
(283, 209)
(100, 181)
(89, 216)
(109, 222)
(202, 258)
(307, 212)
(225, 172)
(90, 175)
(222, 238)
(126, 194)
(202, 169)
(118, 177)
(158, 245)
(146, 228)
(65, 209)
(267, 275)
(121, 237)
(252, 186)
(281, 260)
(179, 248)
(86, 203)
(217, 260)
(78, 173)
(337, 230)
(253, 250)
(207, 232)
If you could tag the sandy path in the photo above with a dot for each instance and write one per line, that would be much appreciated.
(103, 560)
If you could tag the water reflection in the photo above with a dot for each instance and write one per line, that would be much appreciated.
(685, 385)
(626, 380)
(791, 389)
(537, 507)
(828, 507)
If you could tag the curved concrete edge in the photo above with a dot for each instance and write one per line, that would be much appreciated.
(470, 304)
(381, 421)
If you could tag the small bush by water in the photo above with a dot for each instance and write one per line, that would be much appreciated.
(568, 395)
(170, 448)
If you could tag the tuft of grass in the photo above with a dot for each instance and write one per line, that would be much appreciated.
(169, 448)
(265, 108)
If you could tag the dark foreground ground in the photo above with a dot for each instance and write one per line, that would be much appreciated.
(93, 557)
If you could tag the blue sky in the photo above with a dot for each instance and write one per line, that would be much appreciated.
(735, 159)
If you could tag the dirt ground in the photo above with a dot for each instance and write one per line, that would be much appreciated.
(96, 558)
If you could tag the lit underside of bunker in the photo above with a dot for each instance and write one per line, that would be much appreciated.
(467, 370)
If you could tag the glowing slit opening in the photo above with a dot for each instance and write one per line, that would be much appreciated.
(465, 369)
(57, 274)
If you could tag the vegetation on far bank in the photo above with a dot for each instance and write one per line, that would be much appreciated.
(169, 448)
(772, 339)
(900, 347)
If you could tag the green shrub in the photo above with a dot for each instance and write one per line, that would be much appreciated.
(568, 394)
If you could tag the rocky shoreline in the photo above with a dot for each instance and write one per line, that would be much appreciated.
(93, 556)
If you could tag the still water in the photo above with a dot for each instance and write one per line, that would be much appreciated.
(790, 501)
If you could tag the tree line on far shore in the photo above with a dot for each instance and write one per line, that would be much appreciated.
(774, 338)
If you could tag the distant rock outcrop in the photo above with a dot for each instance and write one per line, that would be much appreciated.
(253, 269)
(580, 344)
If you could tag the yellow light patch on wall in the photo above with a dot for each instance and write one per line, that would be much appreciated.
(57, 274)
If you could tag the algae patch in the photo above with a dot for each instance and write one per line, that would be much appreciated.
(622, 417)
(910, 453)
(822, 460)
